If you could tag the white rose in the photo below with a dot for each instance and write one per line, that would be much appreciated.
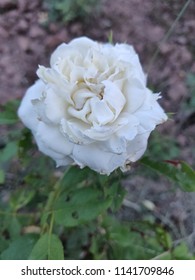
(92, 106)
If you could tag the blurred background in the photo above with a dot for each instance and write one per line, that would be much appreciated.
(31, 30)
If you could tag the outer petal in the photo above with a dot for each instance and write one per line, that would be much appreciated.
(98, 160)
(150, 113)
(114, 145)
(130, 130)
(117, 143)
(60, 52)
(127, 53)
(51, 142)
(64, 161)
(135, 94)
(27, 111)
(60, 159)
(137, 147)
(81, 45)
(54, 107)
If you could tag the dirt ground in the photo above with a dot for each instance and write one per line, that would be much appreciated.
(26, 41)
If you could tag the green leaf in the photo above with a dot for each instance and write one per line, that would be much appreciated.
(190, 79)
(163, 238)
(164, 256)
(188, 171)
(181, 252)
(117, 192)
(20, 198)
(19, 249)
(122, 236)
(9, 151)
(48, 247)
(25, 145)
(9, 113)
(179, 172)
(2, 176)
(3, 244)
(130, 241)
(14, 227)
(77, 239)
(80, 206)
(74, 176)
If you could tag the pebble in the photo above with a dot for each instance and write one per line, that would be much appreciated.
(3, 33)
(36, 31)
(22, 26)
(23, 43)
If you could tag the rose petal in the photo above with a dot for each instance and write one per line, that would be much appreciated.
(101, 133)
(114, 145)
(98, 160)
(75, 131)
(80, 114)
(127, 54)
(137, 147)
(27, 111)
(81, 45)
(81, 96)
(60, 159)
(150, 114)
(76, 74)
(59, 52)
(100, 112)
(114, 97)
(130, 130)
(49, 139)
(57, 82)
(64, 161)
(135, 95)
(55, 107)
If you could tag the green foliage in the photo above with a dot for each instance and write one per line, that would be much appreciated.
(178, 171)
(8, 113)
(162, 147)
(9, 151)
(19, 249)
(69, 10)
(90, 203)
(2, 176)
(48, 247)
(138, 240)
(49, 213)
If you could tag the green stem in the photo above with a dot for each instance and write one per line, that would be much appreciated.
(50, 233)
(47, 211)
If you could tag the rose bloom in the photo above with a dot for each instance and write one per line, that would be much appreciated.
(92, 107)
